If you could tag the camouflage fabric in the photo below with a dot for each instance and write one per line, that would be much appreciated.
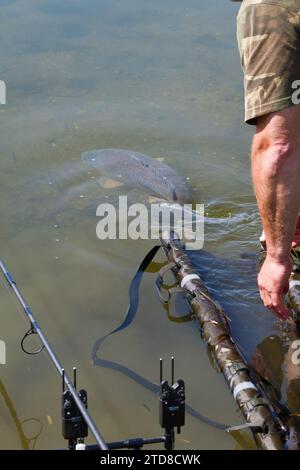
(295, 253)
(268, 33)
(293, 296)
(294, 285)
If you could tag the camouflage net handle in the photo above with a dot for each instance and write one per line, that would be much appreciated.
(215, 330)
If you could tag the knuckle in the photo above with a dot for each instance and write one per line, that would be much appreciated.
(268, 304)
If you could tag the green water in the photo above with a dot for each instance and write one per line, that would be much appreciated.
(162, 78)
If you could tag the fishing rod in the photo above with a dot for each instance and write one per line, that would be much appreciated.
(35, 329)
(76, 419)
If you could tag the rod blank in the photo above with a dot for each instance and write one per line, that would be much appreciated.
(54, 359)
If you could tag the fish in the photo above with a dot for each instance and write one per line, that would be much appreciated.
(140, 171)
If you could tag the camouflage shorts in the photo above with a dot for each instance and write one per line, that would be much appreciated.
(268, 34)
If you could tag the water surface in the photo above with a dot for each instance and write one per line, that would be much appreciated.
(162, 78)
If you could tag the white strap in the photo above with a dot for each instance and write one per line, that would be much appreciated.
(243, 386)
(188, 278)
(80, 446)
(294, 283)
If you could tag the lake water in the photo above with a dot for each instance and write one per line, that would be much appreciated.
(162, 78)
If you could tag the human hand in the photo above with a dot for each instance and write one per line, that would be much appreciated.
(273, 283)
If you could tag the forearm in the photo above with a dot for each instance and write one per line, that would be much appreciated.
(276, 177)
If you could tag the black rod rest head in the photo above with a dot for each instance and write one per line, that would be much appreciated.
(171, 406)
(73, 424)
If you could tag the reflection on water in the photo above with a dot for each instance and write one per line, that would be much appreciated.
(161, 78)
(35, 427)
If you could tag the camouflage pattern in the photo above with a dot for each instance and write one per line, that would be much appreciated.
(294, 285)
(268, 33)
(293, 297)
(295, 253)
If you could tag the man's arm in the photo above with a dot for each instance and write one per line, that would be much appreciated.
(276, 178)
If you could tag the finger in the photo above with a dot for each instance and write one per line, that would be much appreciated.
(274, 302)
(279, 307)
(266, 298)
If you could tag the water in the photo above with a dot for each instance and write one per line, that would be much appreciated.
(162, 78)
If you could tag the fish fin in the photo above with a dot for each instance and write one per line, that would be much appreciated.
(155, 200)
(109, 183)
